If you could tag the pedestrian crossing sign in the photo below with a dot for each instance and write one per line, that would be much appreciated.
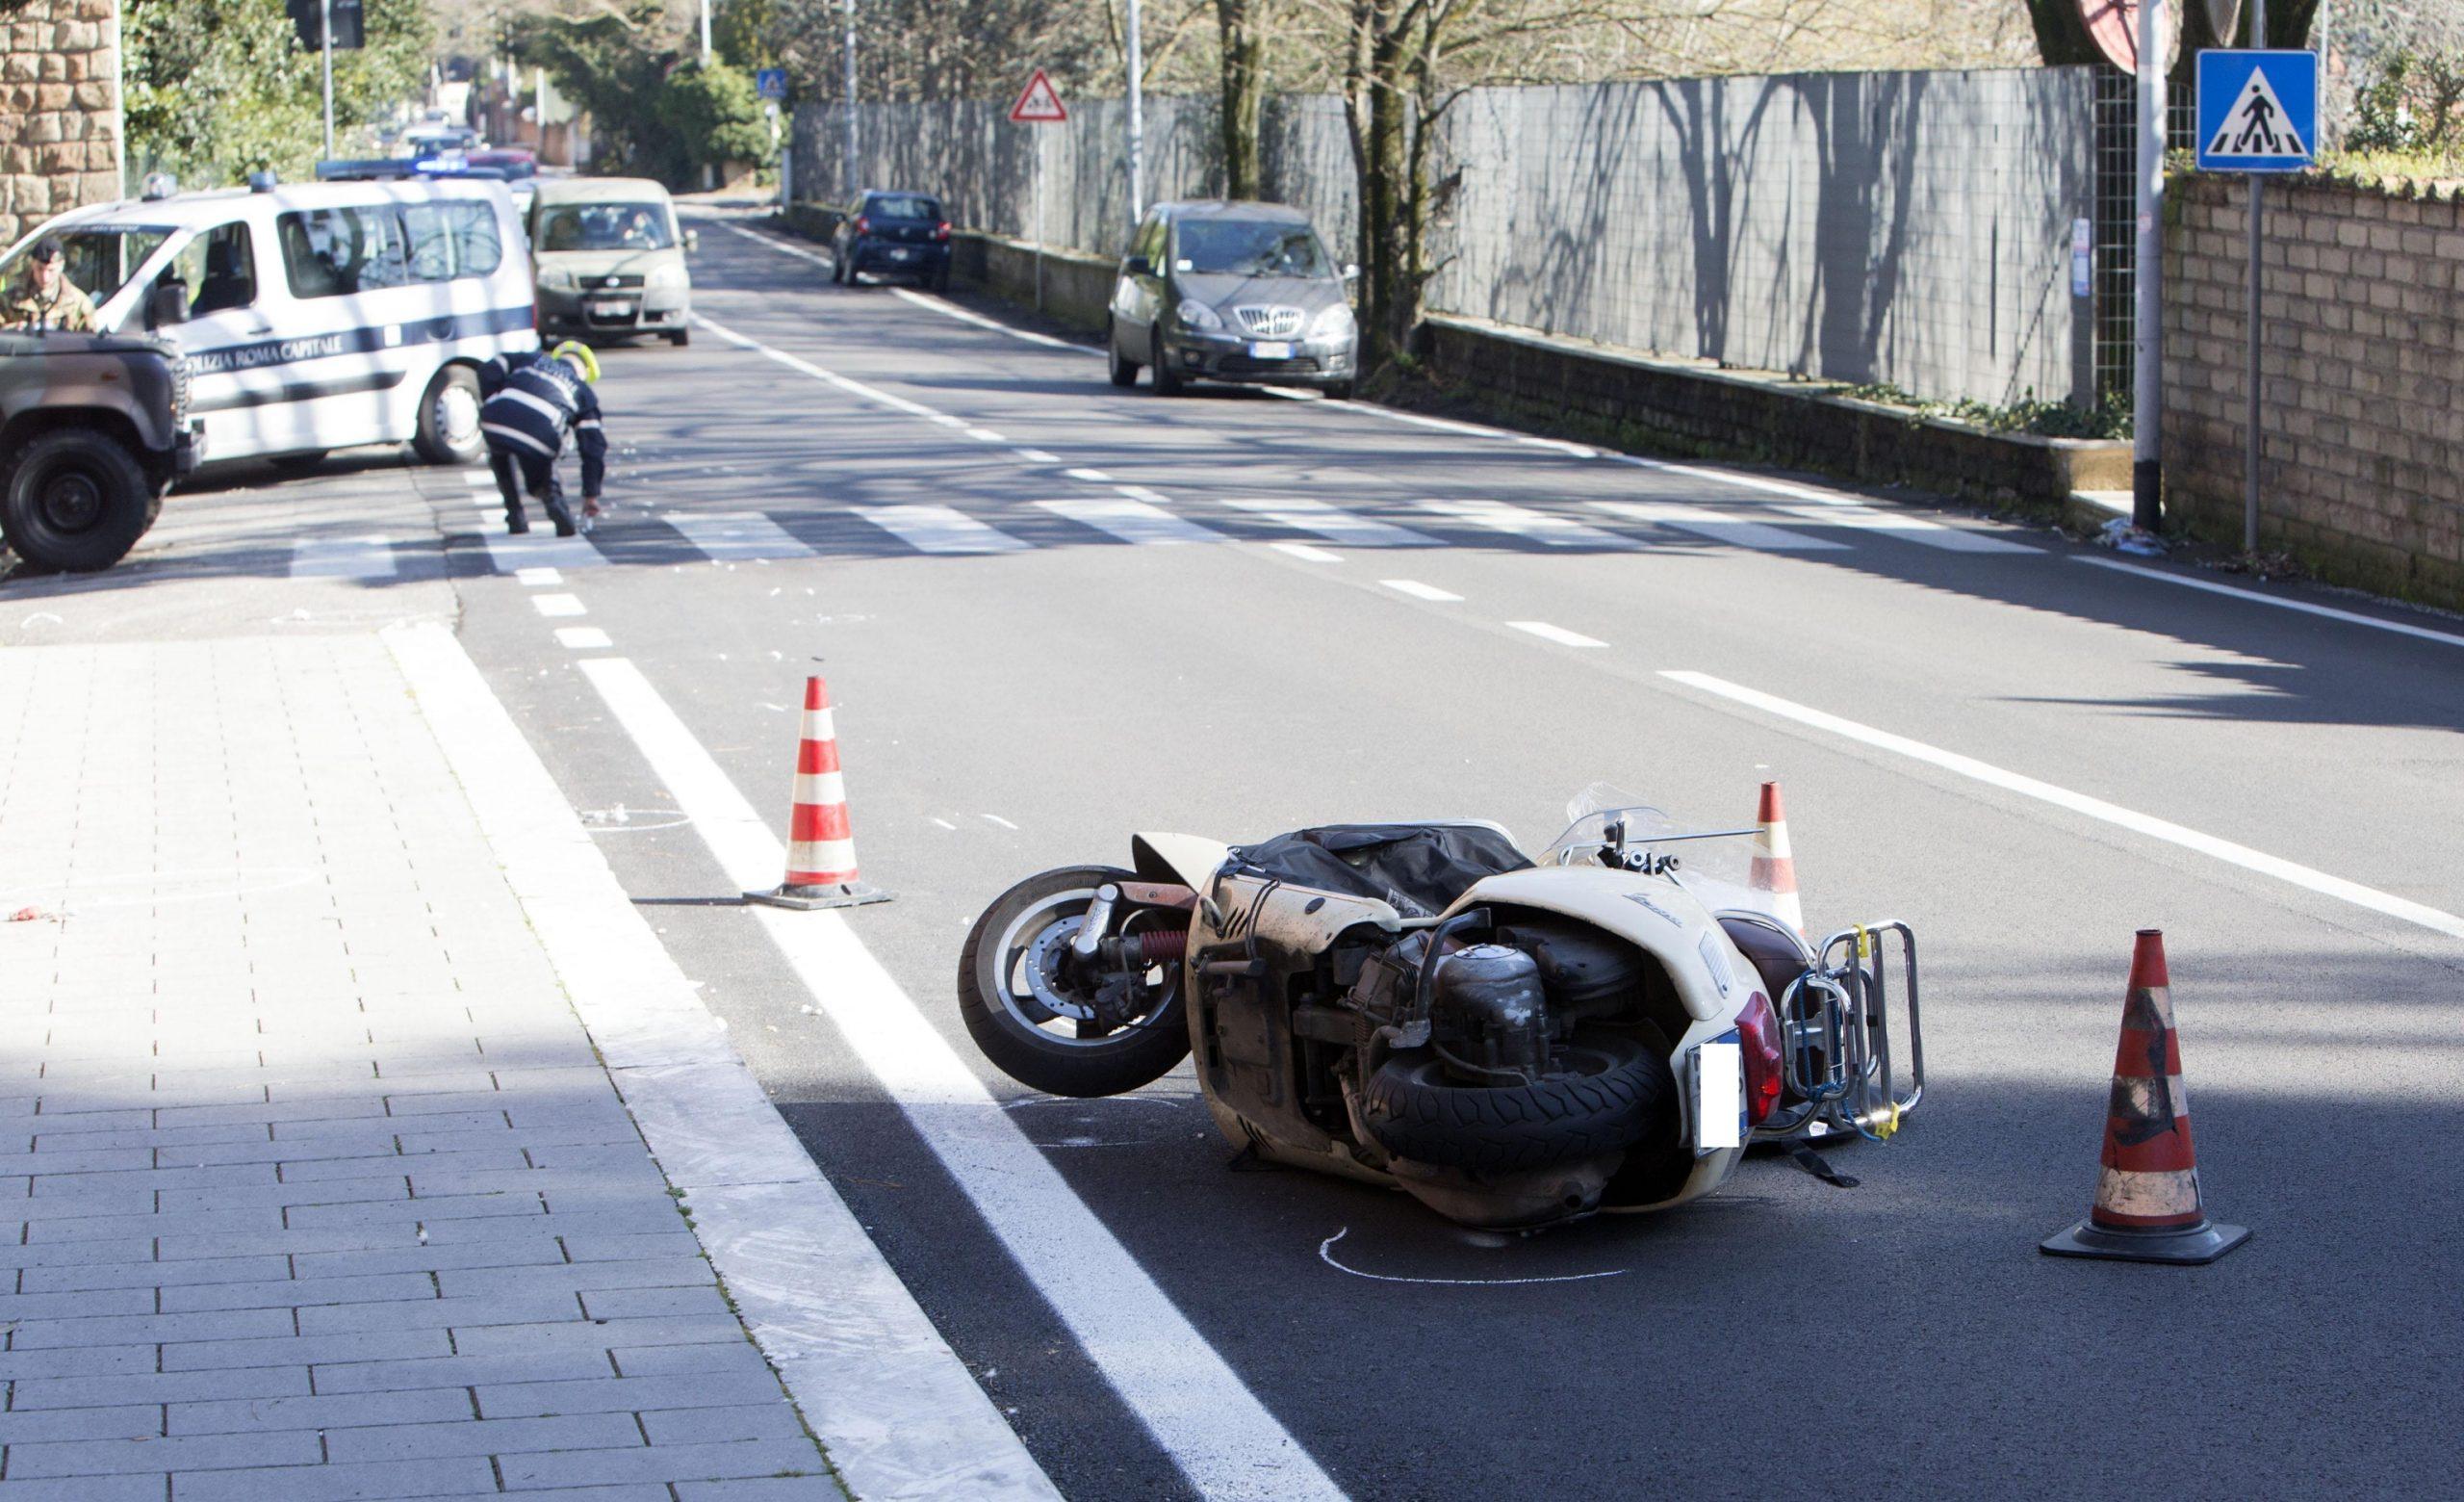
(2258, 110)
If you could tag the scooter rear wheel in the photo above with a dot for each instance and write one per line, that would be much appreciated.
(1053, 1030)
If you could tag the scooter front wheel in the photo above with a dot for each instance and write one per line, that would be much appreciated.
(1052, 1022)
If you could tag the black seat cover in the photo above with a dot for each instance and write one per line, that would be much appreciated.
(1420, 870)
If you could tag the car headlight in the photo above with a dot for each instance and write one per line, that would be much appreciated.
(1194, 314)
(1334, 322)
(667, 276)
(556, 278)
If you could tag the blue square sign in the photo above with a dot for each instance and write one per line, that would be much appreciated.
(2258, 110)
(770, 83)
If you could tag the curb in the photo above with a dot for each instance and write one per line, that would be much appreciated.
(895, 1409)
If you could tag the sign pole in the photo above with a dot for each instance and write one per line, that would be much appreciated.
(2250, 422)
(1136, 125)
(847, 163)
(1038, 138)
(2147, 394)
(326, 35)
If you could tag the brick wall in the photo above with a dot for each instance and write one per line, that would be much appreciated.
(2363, 378)
(59, 111)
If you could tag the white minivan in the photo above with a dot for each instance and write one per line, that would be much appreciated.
(320, 316)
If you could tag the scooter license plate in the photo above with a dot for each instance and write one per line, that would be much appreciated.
(1270, 352)
(1719, 1094)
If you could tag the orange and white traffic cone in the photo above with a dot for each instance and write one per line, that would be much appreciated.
(2147, 1206)
(821, 844)
(1774, 873)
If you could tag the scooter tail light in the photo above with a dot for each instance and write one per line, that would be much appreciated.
(1757, 1028)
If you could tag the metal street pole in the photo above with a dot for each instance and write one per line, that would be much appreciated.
(706, 33)
(1038, 136)
(2251, 421)
(326, 35)
(1136, 125)
(847, 163)
(2148, 393)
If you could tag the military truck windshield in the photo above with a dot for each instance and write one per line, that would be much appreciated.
(100, 258)
(1249, 247)
(604, 226)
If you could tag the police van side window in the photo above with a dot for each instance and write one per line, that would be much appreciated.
(335, 252)
(449, 240)
(218, 269)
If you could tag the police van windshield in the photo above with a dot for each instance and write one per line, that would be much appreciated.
(604, 226)
(1249, 247)
(99, 259)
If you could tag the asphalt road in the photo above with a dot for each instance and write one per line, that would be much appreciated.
(2045, 753)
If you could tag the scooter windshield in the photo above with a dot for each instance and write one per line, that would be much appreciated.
(1714, 862)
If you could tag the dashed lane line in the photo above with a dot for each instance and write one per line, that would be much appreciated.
(2224, 850)
(1306, 552)
(1225, 1441)
(582, 638)
(1419, 591)
(559, 604)
(1556, 633)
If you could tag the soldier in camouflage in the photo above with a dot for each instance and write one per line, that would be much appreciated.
(43, 300)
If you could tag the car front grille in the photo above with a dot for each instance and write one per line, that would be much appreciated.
(1268, 323)
(1243, 364)
(596, 283)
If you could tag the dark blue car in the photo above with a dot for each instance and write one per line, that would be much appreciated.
(892, 234)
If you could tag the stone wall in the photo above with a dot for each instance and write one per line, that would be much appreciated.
(2362, 477)
(59, 140)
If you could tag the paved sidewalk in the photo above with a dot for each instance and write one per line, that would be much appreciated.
(322, 1190)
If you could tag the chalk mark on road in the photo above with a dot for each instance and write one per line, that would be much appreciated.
(1326, 1254)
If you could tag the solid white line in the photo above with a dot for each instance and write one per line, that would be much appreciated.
(2224, 850)
(737, 535)
(553, 604)
(939, 528)
(343, 558)
(1198, 1410)
(1735, 532)
(1419, 591)
(1306, 552)
(854, 388)
(900, 1415)
(1132, 521)
(2325, 611)
(1556, 633)
(937, 305)
(582, 638)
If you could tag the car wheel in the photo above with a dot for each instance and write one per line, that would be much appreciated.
(681, 337)
(1032, 1021)
(449, 429)
(75, 501)
(1124, 369)
(1167, 380)
(1338, 391)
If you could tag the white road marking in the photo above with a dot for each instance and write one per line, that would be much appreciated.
(944, 823)
(2278, 602)
(537, 548)
(2225, 851)
(1225, 1441)
(880, 1386)
(1546, 527)
(1556, 633)
(536, 576)
(1090, 476)
(1735, 532)
(582, 638)
(1335, 524)
(780, 245)
(559, 604)
(1132, 521)
(1142, 493)
(946, 310)
(737, 535)
(995, 819)
(1307, 553)
(343, 558)
(486, 501)
(854, 388)
(1419, 591)
(1326, 1254)
(479, 479)
(1912, 528)
(938, 528)
(984, 435)
(1037, 455)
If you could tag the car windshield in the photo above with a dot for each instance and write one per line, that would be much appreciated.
(1712, 862)
(1249, 248)
(604, 226)
(99, 259)
(903, 206)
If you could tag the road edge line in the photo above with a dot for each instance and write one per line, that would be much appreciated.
(2303, 607)
(894, 1408)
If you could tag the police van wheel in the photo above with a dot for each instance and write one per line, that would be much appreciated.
(75, 501)
(448, 430)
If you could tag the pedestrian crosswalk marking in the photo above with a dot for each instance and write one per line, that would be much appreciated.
(1334, 524)
(508, 553)
(1132, 521)
(1306, 552)
(1719, 527)
(736, 537)
(343, 558)
(1912, 529)
(939, 528)
(1544, 526)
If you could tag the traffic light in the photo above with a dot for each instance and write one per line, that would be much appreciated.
(309, 18)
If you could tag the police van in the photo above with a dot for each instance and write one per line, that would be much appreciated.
(317, 316)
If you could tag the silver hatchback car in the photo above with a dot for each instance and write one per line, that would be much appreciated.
(1232, 292)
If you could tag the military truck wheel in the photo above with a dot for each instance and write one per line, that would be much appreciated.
(75, 501)
(448, 431)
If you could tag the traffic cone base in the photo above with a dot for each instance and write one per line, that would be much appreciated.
(2186, 1246)
(832, 894)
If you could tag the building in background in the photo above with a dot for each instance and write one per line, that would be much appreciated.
(60, 109)
(513, 106)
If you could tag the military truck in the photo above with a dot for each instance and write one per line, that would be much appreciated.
(93, 429)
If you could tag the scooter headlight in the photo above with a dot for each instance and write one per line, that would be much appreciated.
(1194, 314)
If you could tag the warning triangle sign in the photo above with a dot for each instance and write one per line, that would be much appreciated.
(1039, 104)
(2256, 125)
